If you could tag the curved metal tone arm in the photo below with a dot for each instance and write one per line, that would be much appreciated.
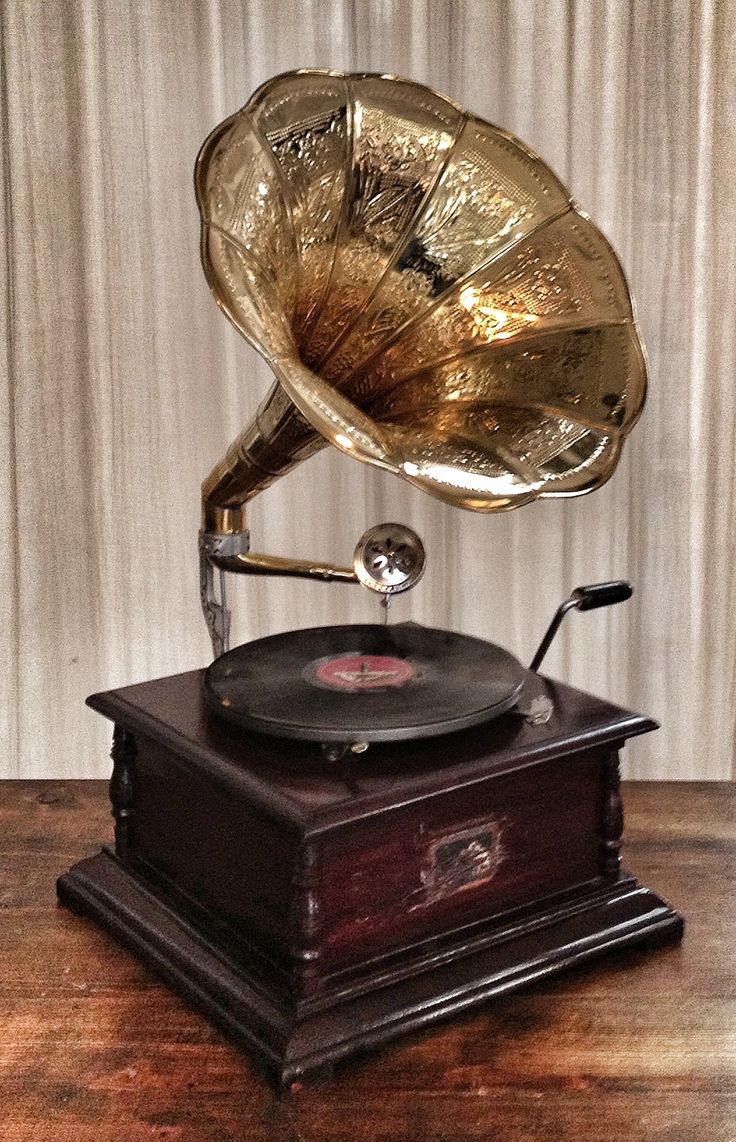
(255, 563)
(229, 553)
(583, 599)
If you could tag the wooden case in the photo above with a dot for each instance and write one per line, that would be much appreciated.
(315, 908)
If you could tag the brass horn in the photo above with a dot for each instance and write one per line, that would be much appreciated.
(428, 296)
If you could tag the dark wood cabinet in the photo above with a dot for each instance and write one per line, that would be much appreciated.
(314, 907)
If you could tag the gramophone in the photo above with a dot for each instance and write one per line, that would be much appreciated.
(330, 836)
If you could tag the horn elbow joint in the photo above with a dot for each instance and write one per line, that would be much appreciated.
(223, 520)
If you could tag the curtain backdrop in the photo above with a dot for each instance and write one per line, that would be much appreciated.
(124, 384)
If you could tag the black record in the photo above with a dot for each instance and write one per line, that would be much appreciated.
(363, 683)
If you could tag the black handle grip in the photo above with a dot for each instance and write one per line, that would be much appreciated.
(602, 594)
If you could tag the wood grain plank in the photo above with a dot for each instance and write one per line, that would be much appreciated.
(639, 1047)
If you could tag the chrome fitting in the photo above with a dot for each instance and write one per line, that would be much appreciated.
(215, 611)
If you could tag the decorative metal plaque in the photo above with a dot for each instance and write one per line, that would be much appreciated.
(456, 860)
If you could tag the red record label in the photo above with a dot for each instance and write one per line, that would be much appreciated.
(362, 672)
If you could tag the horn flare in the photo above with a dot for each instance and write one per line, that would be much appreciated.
(426, 293)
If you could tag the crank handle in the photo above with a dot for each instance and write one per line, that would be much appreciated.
(583, 599)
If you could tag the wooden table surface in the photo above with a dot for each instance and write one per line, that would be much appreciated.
(641, 1046)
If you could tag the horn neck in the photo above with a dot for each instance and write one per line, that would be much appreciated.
(277, 439)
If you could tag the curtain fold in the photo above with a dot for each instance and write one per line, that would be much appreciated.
(122, 383)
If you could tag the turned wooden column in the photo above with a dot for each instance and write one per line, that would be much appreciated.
(122, 789)
(613, 818)
(306, 919)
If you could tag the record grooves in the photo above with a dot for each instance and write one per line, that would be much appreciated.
(363, 683)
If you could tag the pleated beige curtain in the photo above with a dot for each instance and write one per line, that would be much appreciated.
(123, 384)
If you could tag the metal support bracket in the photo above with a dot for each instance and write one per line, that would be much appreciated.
(215, 610)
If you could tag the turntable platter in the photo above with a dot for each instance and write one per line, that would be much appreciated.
(363, 683)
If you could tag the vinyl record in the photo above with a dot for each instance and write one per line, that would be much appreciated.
(363, 683)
